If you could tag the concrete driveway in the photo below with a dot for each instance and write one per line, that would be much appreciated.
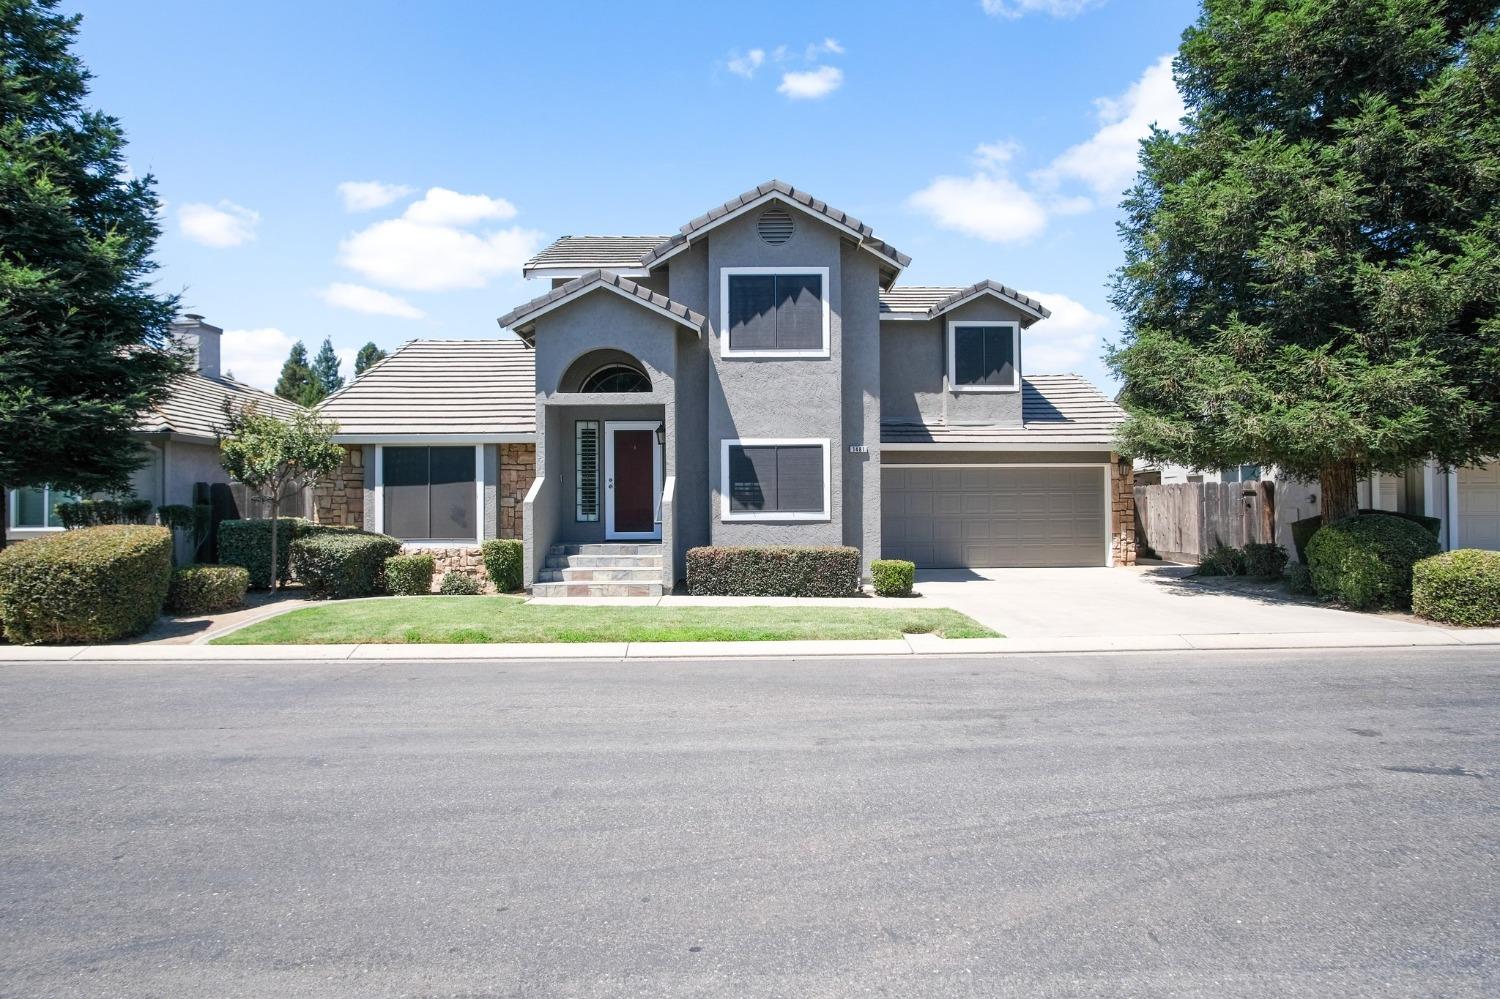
(1145, 600)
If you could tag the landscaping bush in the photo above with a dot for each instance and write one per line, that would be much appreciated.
(99, 512)
(409, 575)
(1222, 560)
(1264, 560)
(893, 577)
(1303, 530)
(1299, 578)
(773, 572)
(203, 589)
(94, 584)
(247, 543)
(1366, 561)
(459, 584)
(1458, 587)
(336, 565)
(505, 562)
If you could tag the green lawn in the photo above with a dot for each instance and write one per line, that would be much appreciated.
(446, 620)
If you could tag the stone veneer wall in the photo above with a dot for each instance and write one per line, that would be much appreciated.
(339, 500)
(466, 560)
(517, 470)
(1122, 513)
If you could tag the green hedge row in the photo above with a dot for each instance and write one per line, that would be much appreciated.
(1366, 561)
(341, 564)
(409, 575)
(505, 562)
(1458, 587)
(204, 589)
(773, 572)
(893, 577)
(94, 584)
(247, 543)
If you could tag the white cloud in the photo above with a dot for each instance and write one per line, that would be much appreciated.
(993, 155)
(255, 356)
(812, 84)
(829, 46)
(1067, 340)
(440, 206)
(746, 65)
(221, 225)
(1013, 9)
(987, 205)
(402, 253)
(1107, 161)
(367, 195)
(358, 298)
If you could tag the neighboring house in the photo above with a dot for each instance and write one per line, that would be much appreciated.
(757, 378)
(179, 436)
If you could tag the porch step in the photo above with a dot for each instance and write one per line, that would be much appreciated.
(610, 574)
(602, 561)
(608, 548)
(596, 589)
(611, 569)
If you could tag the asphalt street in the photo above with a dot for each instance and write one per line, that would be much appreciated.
(1178, 824)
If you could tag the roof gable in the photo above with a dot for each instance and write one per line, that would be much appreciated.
(522, 318)
(920, 302)
(195, 406)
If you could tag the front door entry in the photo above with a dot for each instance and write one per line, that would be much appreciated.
(632, 480)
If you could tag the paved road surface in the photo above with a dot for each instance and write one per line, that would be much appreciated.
(1287, 824)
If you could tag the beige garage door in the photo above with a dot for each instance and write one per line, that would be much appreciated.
(957, 517)
(1479, 507)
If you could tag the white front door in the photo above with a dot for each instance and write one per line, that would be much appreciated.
(632, 481)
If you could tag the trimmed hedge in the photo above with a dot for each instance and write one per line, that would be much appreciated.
(1267, 561)
(1222, 560)
(1366, 561)
(99, 512)
(409, 575)
(773, 572)
(95, 584)
(1299, 579)
(335, 565)
(203, 589)
(1458, 587)
(505, 562)
(247, 544)
(1303, 530)
(459, 584)
(893, 577)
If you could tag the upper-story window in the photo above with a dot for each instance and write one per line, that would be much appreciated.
(774, 311)
(984, 357)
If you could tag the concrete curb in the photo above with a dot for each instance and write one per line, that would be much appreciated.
(911, 645)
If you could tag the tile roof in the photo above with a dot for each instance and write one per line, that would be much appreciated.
(608, 252)
(1055, 409)
(931, 301)
(521, 316)
(196, 406)
(441, 387)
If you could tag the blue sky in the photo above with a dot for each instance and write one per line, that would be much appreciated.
(378, 171)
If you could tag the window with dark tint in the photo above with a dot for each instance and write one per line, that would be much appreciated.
(429, 493)
(984, 355)
(780, 478)
(775, 312)
(617, 378)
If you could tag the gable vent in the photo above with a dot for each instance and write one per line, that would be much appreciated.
(775, 226)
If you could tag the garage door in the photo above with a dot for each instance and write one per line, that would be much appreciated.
(1479, 507)
(950, 517)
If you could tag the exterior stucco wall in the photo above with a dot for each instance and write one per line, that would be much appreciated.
(570, 530)
(688, 284)
(914, 371)
(860, 392)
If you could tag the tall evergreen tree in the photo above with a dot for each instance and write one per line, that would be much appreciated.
(369, 355)
(325, 368)
(1313, 263)
(84, 342)
(297, 381)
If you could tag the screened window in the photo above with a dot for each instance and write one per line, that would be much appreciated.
(617, 378)
(586, 470)
(775, 312)
(36, 508)
(984, 355)
(775, 479)
(429, 493)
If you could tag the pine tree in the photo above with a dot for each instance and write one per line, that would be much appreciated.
(297, 381)
(326, 368)
(369, 355)
(84, 341)
(1313, 263)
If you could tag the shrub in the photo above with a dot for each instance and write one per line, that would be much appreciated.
(90, 585)
(1299, 578)
(1459, 587)
(505, 562)
(247, 543)
(1366, 561)
(773, 572)
(409, 575)
(203, 589)
(99, 512)
(1222, 560)
(340, 564)
(893, 577)
(458, 584)
(1265, 560)
(1303, 530)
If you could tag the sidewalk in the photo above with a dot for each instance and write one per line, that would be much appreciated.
(918, 646)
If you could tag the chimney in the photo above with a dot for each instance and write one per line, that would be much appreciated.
(192, 331)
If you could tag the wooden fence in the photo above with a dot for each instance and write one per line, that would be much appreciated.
(1183, 521)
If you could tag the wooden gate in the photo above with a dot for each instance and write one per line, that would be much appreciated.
(1183, 521)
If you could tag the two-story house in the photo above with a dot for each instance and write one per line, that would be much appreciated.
(758, 378)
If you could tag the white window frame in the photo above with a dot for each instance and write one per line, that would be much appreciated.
(1015, 334)
(728, 517)
(725, 273)
(610, 534)
(379, 512)
(13, 506)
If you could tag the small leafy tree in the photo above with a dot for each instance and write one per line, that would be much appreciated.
(297, 381)
(325, 369)
(274, 458)
(369, 355)
(1312, 264)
